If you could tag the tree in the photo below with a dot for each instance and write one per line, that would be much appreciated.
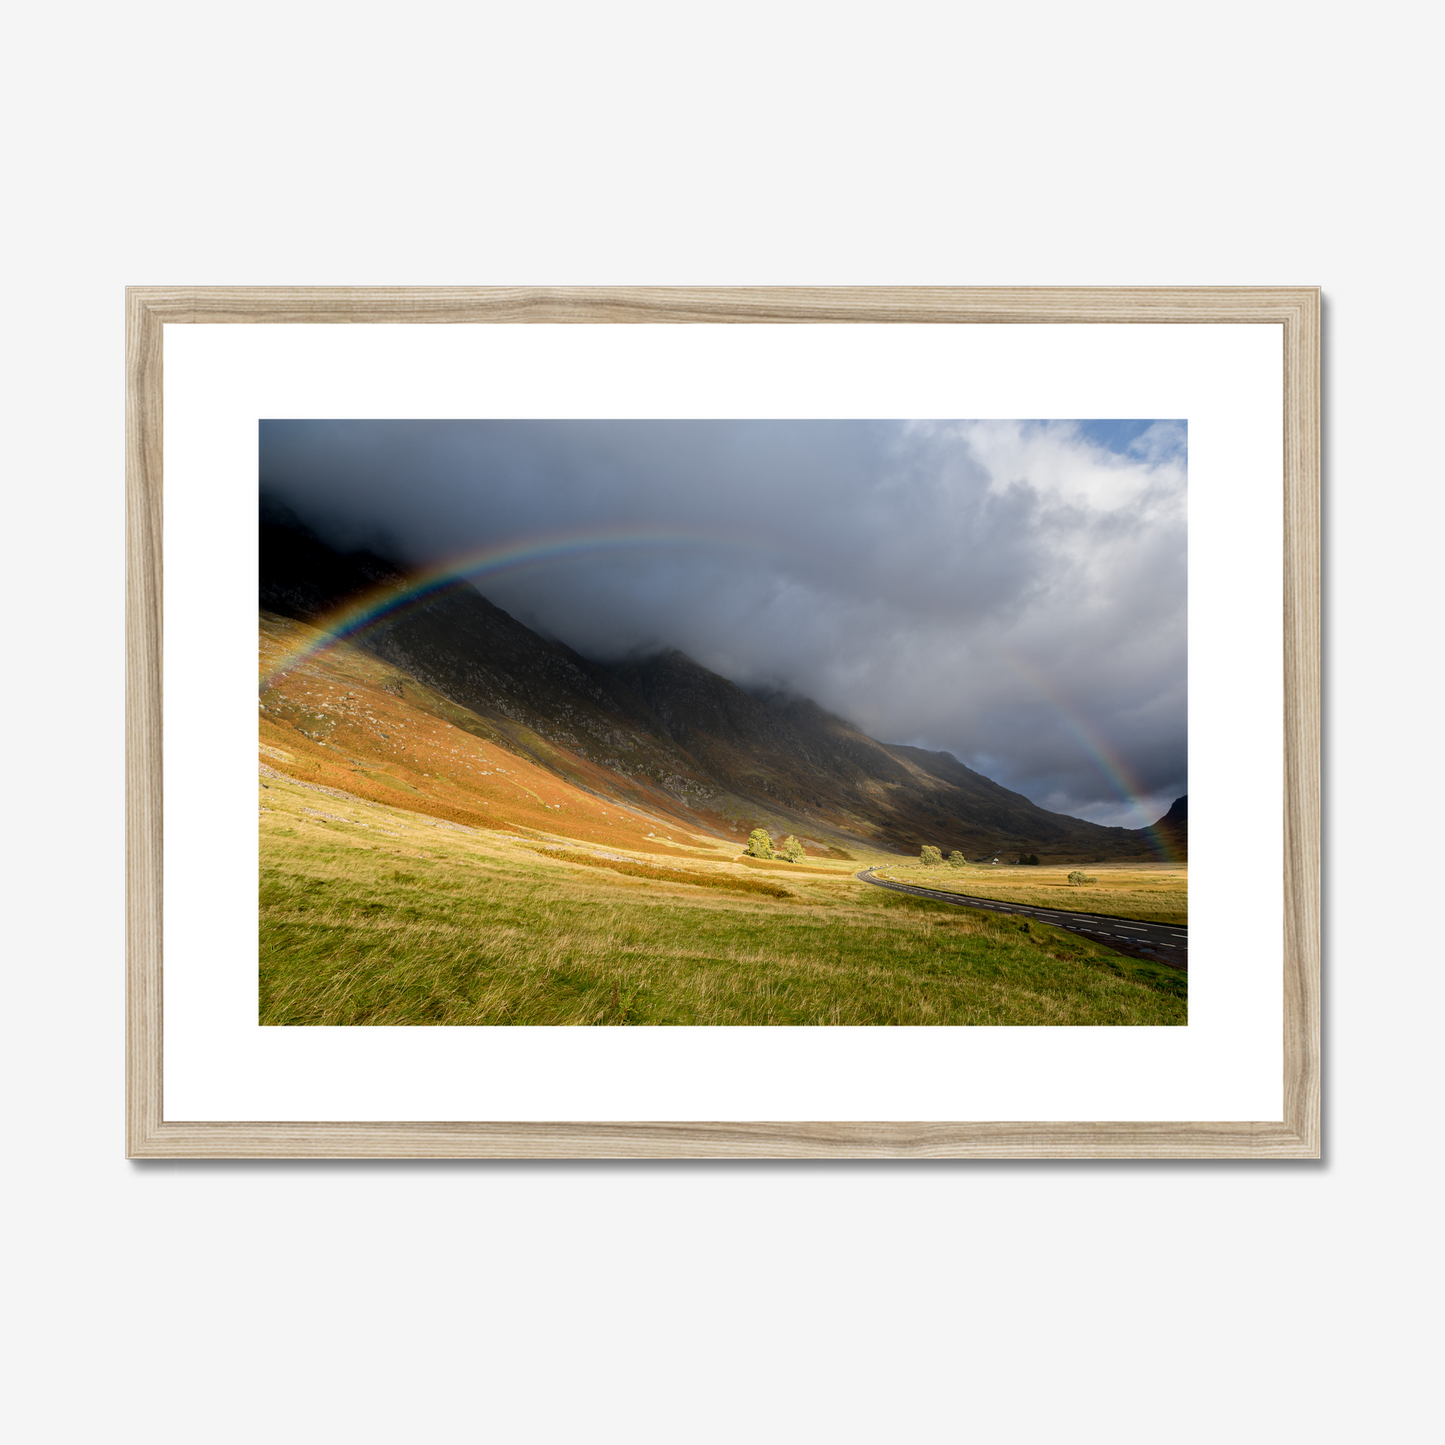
(930, 857)
(1032, 860)
(791, 849)
(759, 844)
(1078, 879)
(956, 859)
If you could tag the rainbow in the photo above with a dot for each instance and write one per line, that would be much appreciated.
(389, 602)
(1095, 748)
(393, 601)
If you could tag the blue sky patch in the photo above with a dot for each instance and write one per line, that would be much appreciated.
(1127, 439)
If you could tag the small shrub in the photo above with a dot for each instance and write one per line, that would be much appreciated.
(930, 856)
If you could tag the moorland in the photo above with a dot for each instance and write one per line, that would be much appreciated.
(464, 823)
(418, 868)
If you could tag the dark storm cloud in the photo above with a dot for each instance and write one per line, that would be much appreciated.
(1012, 592)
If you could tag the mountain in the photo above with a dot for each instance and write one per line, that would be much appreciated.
(667, 734)
(549, 701)
(1172, 829)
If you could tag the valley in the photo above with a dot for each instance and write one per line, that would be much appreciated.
(423, 865)
(461, 822)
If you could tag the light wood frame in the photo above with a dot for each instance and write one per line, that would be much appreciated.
(1295, 309)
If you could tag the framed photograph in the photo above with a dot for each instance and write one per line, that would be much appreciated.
(738, 723)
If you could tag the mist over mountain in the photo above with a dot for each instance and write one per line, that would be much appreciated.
(1012, 593)
(663, 731)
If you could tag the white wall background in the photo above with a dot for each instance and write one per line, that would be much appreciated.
(752, 143)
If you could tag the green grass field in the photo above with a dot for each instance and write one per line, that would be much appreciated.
(1150, 892)
(411, 921)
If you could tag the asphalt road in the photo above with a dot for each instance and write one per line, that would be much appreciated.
(1157, 942)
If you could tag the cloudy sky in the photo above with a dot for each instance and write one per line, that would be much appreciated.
(1010, 591)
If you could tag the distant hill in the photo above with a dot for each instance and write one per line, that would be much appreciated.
(667, 733)
(1173, 828)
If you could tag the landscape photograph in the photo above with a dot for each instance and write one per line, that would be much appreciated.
(723, 722)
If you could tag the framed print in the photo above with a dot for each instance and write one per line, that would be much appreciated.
(723, 722)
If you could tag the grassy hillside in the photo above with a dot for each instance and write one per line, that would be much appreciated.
(1150, 892)
(419, 865)
(346, 719)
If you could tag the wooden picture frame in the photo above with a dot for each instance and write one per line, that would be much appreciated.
(1296, 310)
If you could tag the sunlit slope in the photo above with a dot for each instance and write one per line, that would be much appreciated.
(1152, 893)
(347, 720)
(560, 706)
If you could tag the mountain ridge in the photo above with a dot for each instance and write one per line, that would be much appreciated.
(666, 732)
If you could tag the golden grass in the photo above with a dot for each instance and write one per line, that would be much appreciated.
(667, 875)
(419, 865)
(1150, 892)
(423, 925)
